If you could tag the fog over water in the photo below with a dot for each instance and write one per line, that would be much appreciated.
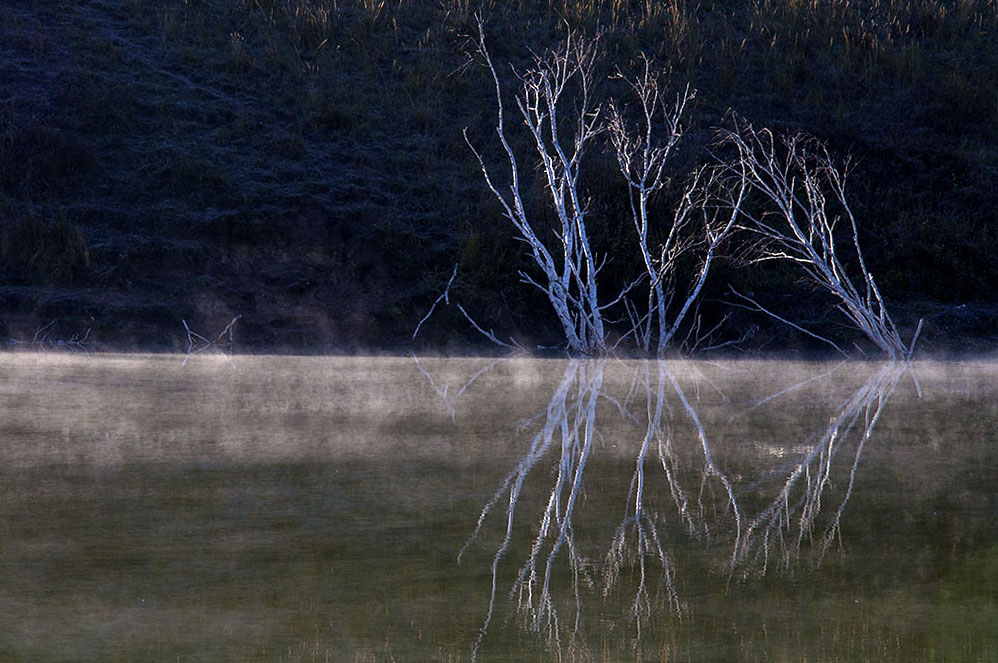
(368, 509)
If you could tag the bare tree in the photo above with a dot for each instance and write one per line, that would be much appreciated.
(557, 108)
(556, 105)
(642, 149)
(798, 176)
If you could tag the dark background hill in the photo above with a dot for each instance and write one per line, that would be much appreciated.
(300, 162)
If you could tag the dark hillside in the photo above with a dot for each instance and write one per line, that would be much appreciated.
(300, 162)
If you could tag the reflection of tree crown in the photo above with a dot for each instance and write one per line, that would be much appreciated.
(678, 494)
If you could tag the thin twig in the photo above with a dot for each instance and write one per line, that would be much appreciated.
(444, 296)
(759, 307)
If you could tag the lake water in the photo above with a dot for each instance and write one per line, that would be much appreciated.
(348, 509)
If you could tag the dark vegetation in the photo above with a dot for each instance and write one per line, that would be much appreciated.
(300, 162)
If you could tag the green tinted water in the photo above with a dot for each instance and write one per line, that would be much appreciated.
(292, 509)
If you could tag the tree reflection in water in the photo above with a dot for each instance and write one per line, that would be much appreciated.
(788, 521)
(732, 514)
(569, 422)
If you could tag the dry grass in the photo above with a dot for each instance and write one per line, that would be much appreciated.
(157, 119)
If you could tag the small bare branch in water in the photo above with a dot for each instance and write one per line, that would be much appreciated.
(196, 343)
(445, 296)
(489, 334)
(512, 345)
(42, 340)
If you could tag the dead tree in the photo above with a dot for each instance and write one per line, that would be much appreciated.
(797, 176)
(562, 119)
(642, 148)
(556, 104)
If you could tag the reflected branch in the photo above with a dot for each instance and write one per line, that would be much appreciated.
(639, 522)
(709, 505)
(576, 446)
(709, 468)
(790, 518)
(555, 422)
(639, 542)
(883, 393)
(443, 391)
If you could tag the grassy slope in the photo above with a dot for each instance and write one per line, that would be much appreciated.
(301, 163)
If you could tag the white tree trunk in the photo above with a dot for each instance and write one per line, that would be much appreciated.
(567, 261)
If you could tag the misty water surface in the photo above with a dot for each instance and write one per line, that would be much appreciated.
(314, 509)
